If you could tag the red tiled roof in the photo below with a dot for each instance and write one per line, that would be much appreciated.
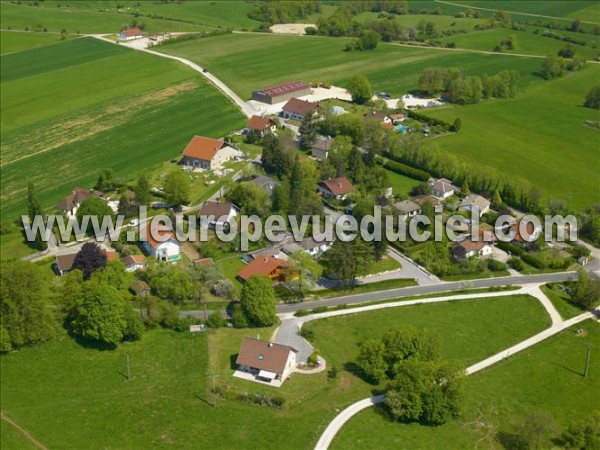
(203, 148)
(132, 260)
(529, 229)
(129, 32)
(285, 88)
(264, 265)
(297, 106)
(260, 123)
(338, 186)
(264, 355)
(161, 231)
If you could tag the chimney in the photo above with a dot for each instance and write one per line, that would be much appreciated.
(270, 344)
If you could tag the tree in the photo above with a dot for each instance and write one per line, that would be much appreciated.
(134, 326)
(534, 431)
(177, 187)
(583, 434)
(302, 272)
(457, 125)
(172, 283)
(592, 100)
(89, 259)
(142, 190)
(360, 89)
(24, 314)
(568, 51)
(371, 361)
(106, 180)
(502, 16)
(93, 207)
(101, 314)
(587, 290)
(238, 317)
(369, 40)
(33, 205)
(250, 198)
(345, 261)
(258, 300)
(465, 189)
(308, 131)
(127, 204)
(496, 199)
(553, 67)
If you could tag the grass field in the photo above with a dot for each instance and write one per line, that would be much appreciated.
(534, 380)
(96, 112)
(401, 184)
(13, 42)
(539, 136)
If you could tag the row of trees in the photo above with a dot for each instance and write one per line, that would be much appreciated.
(284, 12)
(556, 66)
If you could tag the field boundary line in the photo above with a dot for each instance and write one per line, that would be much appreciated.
(23, 431)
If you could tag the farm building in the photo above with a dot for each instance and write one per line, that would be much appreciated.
(160, 242)
(265, 361)
(336, 188)
(262, 125)
(207, 153)
(268, 266)
(281, 92)
(296, 109)
(130, 34)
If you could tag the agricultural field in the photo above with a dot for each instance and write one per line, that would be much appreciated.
(547, 377)
(11, 42)
(86, 401)
(131, 121)
(539, 136)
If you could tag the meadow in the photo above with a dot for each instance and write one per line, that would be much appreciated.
(545, 378)
(96, 113)
(11, 42)
(70, 394)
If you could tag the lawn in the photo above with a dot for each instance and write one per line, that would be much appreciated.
(132, 121)
(401, 184)
(502, 395)
(539, 136)
(561, 301)
(13, 42)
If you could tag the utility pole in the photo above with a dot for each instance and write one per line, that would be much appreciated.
(128, 368)
(587, 361)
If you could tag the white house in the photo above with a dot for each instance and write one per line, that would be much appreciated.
(314, 248)
(470, 249)
(217, 215)
(133, 263)
(296, 109)
(71, 203)
(442, 188)
(130, 34)
(160, 242)
(407, 208)
(475, 203)
(266, 362)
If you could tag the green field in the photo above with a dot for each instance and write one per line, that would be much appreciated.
(547, 377)
(97, 112)
(539, 136)
(84, 400)
(401, 184)
(11, 42)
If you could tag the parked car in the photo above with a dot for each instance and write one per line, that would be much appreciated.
(384, 96)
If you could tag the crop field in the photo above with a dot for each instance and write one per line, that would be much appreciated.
(96, 112)
(11, 42)
(85, 400)
(532, 381)
(247, 62)
(539, 136)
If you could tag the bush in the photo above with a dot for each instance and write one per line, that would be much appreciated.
(516, 264)
(534, 261)
(216, 320)
(406, 170)
(313, 359)
(495, 266)
(332, 373)
(238, 318)
(307, 334)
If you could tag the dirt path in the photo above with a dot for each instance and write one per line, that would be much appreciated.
(23, 431)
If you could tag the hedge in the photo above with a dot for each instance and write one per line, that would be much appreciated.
(408, 171)
(429, 120)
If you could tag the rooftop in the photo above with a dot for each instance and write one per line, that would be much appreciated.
(203, 148)
(297, 106)
(264, 355)
(338, 186)
(285, 88)
(262, 265)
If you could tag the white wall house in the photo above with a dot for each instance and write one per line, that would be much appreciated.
(166, 249)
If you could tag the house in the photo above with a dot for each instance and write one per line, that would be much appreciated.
(383, 118)
(474, 203)
(407, 208)
(315, 248)
(337, 188)
(64, 263)
(281, 92)
(296, 109)
(217, 215)
(320, 149)
(442, 188)
(268, 266)
(469, 249)
(71, 203)
(428, 199)
(397, 118)
(532, 233)
(207, 153)
(133, 263)
(266, 361)
(262, 125)
(160, 241)
(267, 184)
(130, 34)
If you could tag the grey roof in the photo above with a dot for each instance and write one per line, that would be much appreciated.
(288, 249)
(266, 183)
(474, 200)
(309, 243)
(407, 206)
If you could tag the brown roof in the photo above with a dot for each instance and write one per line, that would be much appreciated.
(530, 230)
(264, 355)
(132, 32)
(132, 260)
(214, 208)
(263, 265)
(443, 185)
(76, 198)
(203, 148)
(338, 186)
(260, 123)
(65, 262)
(468, 246)
(163, 232)
(285, 88)
(297, 106)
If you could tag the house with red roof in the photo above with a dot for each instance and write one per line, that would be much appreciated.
(296, 109)
(133, 263)
(337, 188)
(266, 362)
(266, 266)
(207, 153)
(160, 241)
(262, 125)
(129, 34)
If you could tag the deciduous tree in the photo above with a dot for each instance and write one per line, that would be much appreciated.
(258, 301)
(89, 259)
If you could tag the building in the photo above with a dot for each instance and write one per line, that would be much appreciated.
(217, 215)
(320, 149)
(160, 241)
(381, 117)
(130, 34)
(64, 263)
(530, 235)
(71, 203)
(267, 266)
(407, 208)
(281, 92)
(315, 248)
(267, 184)
(471, 249)
(474, 203)
(296, 109)
(133, 263)
(266, 361)
(337, 188)
(262, 125)
(207, 153)
(442, 188)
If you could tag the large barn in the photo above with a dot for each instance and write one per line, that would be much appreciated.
(281, 92)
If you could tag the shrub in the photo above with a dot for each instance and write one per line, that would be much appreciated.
(406, 170)
(313, 359)
(215, 320)
(516, 264)
(495, 266)
(307, 334)
(332, 373)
